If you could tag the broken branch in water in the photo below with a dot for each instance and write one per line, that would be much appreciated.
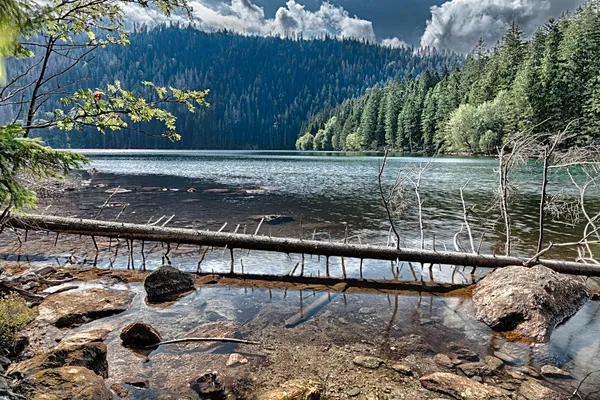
(199, 340)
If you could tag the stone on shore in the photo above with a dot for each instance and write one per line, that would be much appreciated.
(71, 309)
(73, 383)
(367, 362)
(140, 336)
(166, 283)
(532, 301)
(550, 371)
(459, 387)
(88, 355)
(296, 389)
(533, 390)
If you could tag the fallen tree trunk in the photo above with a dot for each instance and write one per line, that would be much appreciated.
(130, 231)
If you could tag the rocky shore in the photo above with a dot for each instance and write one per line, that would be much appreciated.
(98, 337)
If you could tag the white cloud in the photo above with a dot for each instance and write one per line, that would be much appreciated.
(458, 24)
(245, 17)
(394, 43)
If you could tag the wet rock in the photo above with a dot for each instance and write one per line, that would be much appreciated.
(89, 355)
(472, 369)
(515, 373)
(532, 301)
(533, 390)
(166, 283)
(367, 362)
(443, 360)
(550, 371)
(459, 387)
(528, 371)
(85, 337)
(209, 386)
(73, 383)
(140, 336)
(493, 362)
(236, 359)
(70, 309)
(221, 329)
(295, 390)
(464, 354)
(137, 383)
(119, 390)
(507, 358)
(403, 369)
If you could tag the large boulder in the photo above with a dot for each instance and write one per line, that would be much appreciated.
(459, 387)
(166, 283)
(70, 309)
(140, 336)
(88, 355)
(532, 301)
(73, 383)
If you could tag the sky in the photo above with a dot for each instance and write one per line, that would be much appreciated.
(451, 25)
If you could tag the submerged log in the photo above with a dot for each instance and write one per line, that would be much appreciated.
(89, 227)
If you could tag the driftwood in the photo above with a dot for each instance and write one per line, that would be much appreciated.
(199, 340)
(130, 231)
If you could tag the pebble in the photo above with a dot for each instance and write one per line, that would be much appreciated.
(493, 362)
(353, 392)
(443, 360)
(403, 369)
(368, 362)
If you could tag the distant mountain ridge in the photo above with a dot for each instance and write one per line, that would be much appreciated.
(261, 89)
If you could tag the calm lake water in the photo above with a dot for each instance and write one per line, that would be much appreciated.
(325, 195)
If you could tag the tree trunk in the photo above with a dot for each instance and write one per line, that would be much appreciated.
(130, 231)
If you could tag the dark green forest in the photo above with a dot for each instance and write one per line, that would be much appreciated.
(536, 85)
(261, 89)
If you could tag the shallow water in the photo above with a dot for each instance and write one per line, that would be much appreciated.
(388, 326)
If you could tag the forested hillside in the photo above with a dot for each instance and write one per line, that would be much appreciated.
(261, 89)
(539, 85)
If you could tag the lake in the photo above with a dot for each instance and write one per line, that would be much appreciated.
(330, 196)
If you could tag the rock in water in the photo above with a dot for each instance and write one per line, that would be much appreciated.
(166, 283)
(532, 301)
(550, 371)
(70, 309)
(73, 383)
(295, 390)
(140, 336)
(460, 387)
(88, 355)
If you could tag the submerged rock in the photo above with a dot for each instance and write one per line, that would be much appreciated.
(88, 355)
(140, 336)
(73, 383)
(296, 389)
(460, 387)
(70, 309)
(532, 301)
(166, 283)
(236, 359)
